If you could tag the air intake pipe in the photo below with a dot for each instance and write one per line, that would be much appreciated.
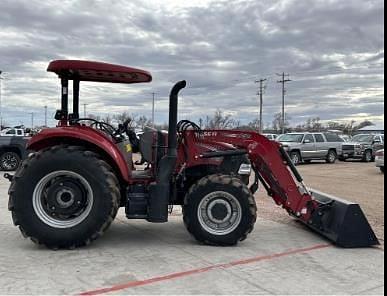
(160, 191)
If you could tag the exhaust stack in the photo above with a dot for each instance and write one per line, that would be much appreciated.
(160, 192)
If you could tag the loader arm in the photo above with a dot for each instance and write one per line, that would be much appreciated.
(340, 221)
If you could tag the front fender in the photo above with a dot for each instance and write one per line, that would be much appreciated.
(83, 136)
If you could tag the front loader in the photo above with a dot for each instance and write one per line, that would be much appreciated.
(68, 191)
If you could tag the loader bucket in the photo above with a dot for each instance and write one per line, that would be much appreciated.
(342, 222)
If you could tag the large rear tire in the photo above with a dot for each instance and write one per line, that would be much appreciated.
(219, 210)
(64, 197)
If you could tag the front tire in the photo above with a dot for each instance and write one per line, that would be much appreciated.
(64, 197)
(295, 156)
(331, 157)
(219, 210)
(368, 157)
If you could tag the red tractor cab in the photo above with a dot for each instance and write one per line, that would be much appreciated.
(68, 192)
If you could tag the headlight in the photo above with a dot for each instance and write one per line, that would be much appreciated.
(245, 169)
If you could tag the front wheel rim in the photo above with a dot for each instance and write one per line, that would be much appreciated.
(295, 159)
(219, 213)
(63, 199)
(9, 162)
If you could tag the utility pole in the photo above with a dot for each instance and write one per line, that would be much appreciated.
(283, 81)
(153, 109)
(260, 93)
(1, 109)
(32, 120)
(45, 116)
(84, 110)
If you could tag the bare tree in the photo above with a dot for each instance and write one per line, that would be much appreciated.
(143, 122)
(222, 121)
(277, 122)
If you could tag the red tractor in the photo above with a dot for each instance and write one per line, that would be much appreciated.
(68, 191)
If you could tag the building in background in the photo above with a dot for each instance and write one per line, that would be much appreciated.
(373, 129)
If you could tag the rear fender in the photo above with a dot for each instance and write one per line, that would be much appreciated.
(83, 136)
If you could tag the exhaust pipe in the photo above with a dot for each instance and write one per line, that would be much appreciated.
(173, 109)
(160, 192)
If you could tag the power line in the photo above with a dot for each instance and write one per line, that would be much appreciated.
(283, 81)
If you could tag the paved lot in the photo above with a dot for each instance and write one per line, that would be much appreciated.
(136, 257)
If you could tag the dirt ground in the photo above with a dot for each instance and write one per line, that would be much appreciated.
(355, 181)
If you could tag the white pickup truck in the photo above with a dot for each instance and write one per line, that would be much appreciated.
(12, 132)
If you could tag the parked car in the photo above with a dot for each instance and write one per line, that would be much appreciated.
(305, 147)
(363, 147)
(379, 158)
(12, 152)
(271, 136)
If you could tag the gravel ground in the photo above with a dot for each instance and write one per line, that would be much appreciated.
(355, 181)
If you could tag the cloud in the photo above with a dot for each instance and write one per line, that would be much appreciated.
(334, 51)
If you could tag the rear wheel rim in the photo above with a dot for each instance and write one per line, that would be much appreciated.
(219, 213)
(63, 199)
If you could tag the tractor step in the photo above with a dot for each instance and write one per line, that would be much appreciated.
(137, 203)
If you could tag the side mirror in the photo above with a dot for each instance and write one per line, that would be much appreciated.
(377, 141)
(307, 141)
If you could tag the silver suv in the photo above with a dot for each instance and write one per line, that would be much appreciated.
(305, 147)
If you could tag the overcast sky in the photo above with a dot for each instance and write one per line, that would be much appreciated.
(332, 49)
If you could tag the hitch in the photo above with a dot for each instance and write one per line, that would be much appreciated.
(9, 177)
